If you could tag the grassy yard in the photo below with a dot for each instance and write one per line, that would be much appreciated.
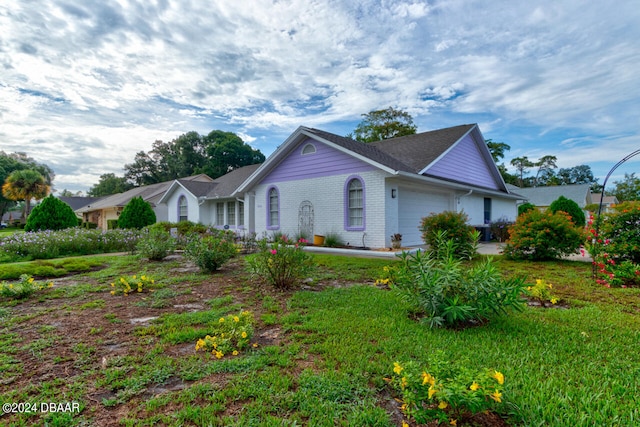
(321, 354)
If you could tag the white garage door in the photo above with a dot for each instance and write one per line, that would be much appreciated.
(415, 205)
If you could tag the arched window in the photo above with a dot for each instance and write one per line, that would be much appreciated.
(308, 149)
(354, 204)
(273, 209)
(183, 209)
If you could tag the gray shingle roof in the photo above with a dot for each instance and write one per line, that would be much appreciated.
(544, 196)
(227, 184)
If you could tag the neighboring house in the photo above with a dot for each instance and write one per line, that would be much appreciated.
(211, 203)
(110, 207)
(542, 197)
(77, 202)
(317, 183)
(607, 203)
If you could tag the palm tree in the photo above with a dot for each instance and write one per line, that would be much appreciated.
(25, 184)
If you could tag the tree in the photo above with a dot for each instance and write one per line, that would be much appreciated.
(51, 214)
(109, 184)
(497, 149)
(521, 164)
(18, 161)
(25, 185)
(545, 165)
(191, 154)
(384, 124)
(136, 214)
(581, 174)
(569, 206)
(627, 189)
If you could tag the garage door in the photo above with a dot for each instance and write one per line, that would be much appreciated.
(415, 205)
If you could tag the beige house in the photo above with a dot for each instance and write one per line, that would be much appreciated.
(110, 207)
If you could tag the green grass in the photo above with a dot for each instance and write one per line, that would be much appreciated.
(50, 269)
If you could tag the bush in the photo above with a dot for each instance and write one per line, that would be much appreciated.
(448, 293)
(569, 206)
(230, 335)
(135, 283)
(51, 214)
(445, 391)
(136, 214)
(22, 289)
(525, 207)
(333, 240)
(280, 264)
(112, 224)
(156, 244)
(210, 252)
(616, 250)
(543, 236)
(465, 237)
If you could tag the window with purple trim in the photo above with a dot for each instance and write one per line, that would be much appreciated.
(355, 205)
(183, 209)
(273, 209)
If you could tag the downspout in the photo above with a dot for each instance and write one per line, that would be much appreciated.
(460, 197)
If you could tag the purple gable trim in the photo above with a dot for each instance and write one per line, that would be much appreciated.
(346, 205)
(326, 161)
(269, 226)
(465, 163)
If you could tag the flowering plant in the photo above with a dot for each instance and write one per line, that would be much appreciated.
(231, 335)
(444, 391)
(541, 292)
(22, 289)
(134, 283)
(281, 263)
(210, 252)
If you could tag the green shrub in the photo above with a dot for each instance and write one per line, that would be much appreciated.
(280, 264)
(543, 236)
(210, 252)
(112, 224)
(333, 240)
(136, 214)
(465, 237)
(156, 244)
(51, 214)
(447, 293)
(569, 206)
(446, 391)
(525, 207)
(23, 289)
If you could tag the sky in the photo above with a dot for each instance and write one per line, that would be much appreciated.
(86, 85)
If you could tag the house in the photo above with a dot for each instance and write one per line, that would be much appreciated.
(317, 182)
(77, 202)
(542, 197)
(608, 202)
(110, 207)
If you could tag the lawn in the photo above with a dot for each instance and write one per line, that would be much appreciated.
(319, 356)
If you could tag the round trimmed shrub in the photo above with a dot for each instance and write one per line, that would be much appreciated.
(525, 207)
(569, 206)
(464, 236)
(543, 236)
(137, 214)
(51, 214)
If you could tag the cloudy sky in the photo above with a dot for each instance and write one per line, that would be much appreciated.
(86, 85)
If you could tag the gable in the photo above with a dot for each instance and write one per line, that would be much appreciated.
(321, 162)
(465, 163)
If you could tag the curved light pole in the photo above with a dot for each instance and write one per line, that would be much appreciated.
(604, 185)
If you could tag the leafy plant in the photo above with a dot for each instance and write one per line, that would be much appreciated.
(22, 289)
(437, 285)
(210, 252)
(465, 237)
(569, 206)
(230, 335)
(279, 264)
(525, 207)
(543, 236)
(445, 391)
(135, 283)
(333, 240)
(541, 292)
(136, 214)
(51, 214)
(156, 244)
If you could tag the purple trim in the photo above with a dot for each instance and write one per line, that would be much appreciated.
(326, 161)
(346, 205)
(269, 226)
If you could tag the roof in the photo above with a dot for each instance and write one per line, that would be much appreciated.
(149, 193)
(544, 196)
(227, 184)
(76, 202)
(608, 200)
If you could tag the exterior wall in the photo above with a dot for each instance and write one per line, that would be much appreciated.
(473, 206)
(465, 163)
(193, 210)
(326, 194)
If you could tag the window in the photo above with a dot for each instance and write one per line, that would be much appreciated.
(273, 209)
(183, 209)
(354, 204)
(220, 213)
(240, 213)
(231, 213)
(308, 149)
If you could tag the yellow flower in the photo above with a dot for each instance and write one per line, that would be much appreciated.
(538, 282)
(397, 368)
(244, 334)
(404, 382)
(428, 379)
(235, 352)
(10, 285)
(236, 319)
(554, 300)
(453, 422)
(133, 276)
(385, 268)
(255, 345)
(50, 284)
(143, 277)
(496, 395)
(219, 354)
(404, 424)
(443, 405)
(499, 377)
(474, 386)
(432, 391)
(550, 286)
(221, 320)
(30, 280)
(113, 292)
